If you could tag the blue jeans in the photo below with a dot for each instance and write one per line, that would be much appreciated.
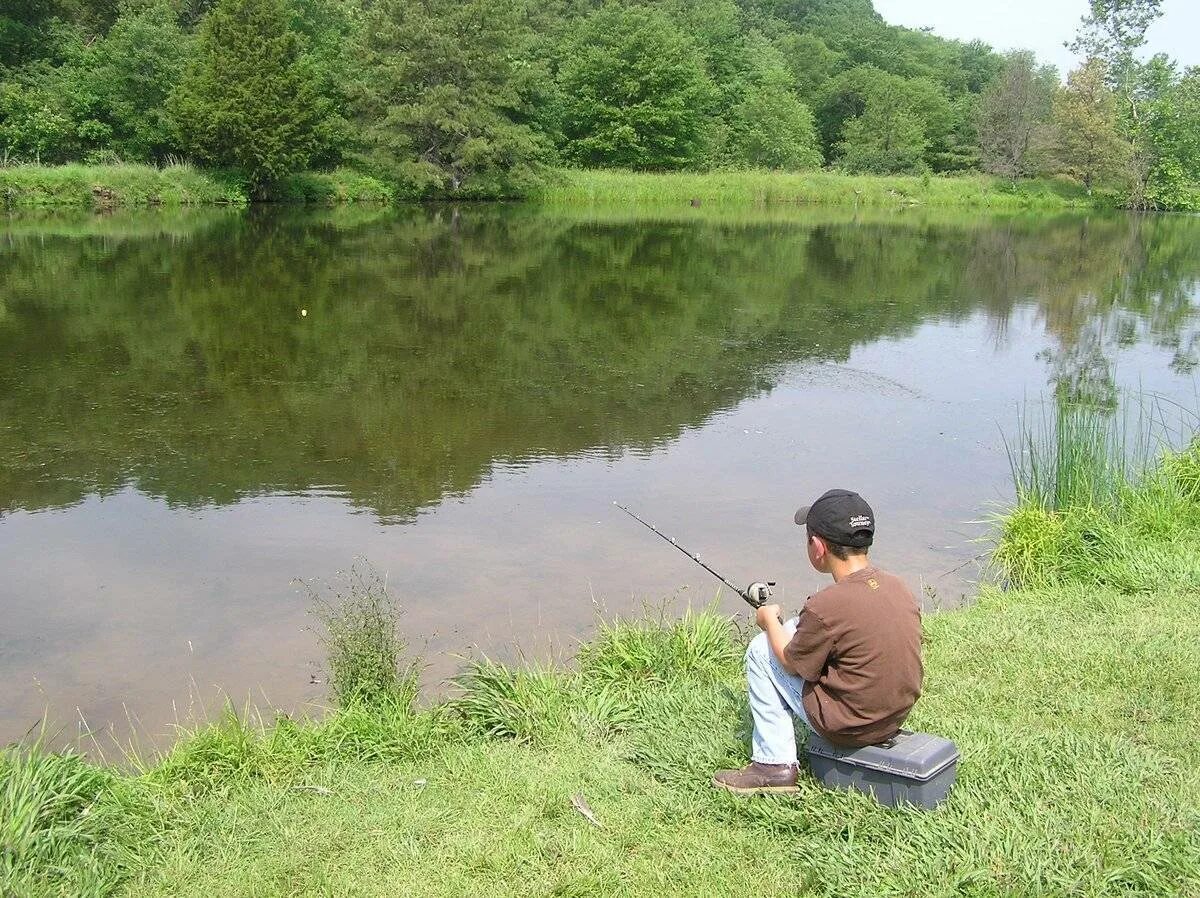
(774, 699)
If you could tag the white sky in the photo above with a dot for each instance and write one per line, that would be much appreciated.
(1041, 25)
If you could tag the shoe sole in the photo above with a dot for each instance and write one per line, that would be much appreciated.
(756, 790)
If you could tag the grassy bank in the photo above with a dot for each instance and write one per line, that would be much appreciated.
(758, 188)
(1074, 700)
(107, 187)
(103, 187)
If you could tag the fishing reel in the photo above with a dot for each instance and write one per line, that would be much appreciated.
(759, 594)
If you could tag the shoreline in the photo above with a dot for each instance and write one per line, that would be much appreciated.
(105, 188)
(1066, 695)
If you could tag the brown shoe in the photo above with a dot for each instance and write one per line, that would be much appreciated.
(756, 777)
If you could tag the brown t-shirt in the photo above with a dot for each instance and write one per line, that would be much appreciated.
(858, 646)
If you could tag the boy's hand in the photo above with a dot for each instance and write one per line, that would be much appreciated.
(767, 615)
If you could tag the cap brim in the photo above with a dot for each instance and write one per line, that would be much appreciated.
(802, 515)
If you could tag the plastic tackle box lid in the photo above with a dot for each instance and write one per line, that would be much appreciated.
(917, 756)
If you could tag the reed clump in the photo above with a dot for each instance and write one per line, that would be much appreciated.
(1103, 499)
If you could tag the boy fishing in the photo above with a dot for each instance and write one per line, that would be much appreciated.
(849, 666)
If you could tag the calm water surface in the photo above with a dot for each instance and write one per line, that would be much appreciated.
(470, 390)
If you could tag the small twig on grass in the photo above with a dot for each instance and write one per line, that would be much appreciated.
(579, 803)
(320, 790)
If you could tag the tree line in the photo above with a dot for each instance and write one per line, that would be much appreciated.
(480, 98)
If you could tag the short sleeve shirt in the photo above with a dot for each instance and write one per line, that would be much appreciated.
(858, 648)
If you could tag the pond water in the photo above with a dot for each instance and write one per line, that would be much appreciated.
(199, 409)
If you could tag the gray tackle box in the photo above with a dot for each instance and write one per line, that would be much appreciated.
(913, 768)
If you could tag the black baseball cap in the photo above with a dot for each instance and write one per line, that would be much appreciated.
(840, 516)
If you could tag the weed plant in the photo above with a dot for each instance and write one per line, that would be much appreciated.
(360, 633)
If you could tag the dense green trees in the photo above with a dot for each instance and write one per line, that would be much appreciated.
(634, 91)
(124, 81)
(477, 99)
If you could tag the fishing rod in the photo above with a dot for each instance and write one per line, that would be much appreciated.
(756, 594)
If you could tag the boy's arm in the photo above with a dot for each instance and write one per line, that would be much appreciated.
(769, 622)
(805, 653)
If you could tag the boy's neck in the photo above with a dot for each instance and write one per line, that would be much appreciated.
(840, 569)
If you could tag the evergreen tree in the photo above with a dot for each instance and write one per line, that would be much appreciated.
(444, 107)
(634, 92)
(1085, 142)
(250, 100)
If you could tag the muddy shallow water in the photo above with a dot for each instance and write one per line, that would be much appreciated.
(199, 409)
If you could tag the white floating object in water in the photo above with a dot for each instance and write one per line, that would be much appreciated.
(304, 313)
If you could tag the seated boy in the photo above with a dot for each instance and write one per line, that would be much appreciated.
(849, 667)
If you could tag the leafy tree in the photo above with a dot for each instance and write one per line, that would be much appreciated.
(1112, 33)
(331, 30)
(1085, 142)
(842, 98)
(634, 91)
(444, 99)
(27, 31)
(249, 99)
(1014, 108)
(125, 80)
(874, 121)
(810, 61)
(774, 129)
(1172, 123)
(36, 124)
(980, 65)
(886, 138)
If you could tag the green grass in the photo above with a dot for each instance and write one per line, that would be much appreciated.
(343, 185)
(760, 188)
(105, 187)
(1074, 700)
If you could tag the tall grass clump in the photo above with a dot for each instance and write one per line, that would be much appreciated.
(54, 837)
(532, 703)
(606, 693)
(361, 636)
(658, 650)
(1103, 498)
